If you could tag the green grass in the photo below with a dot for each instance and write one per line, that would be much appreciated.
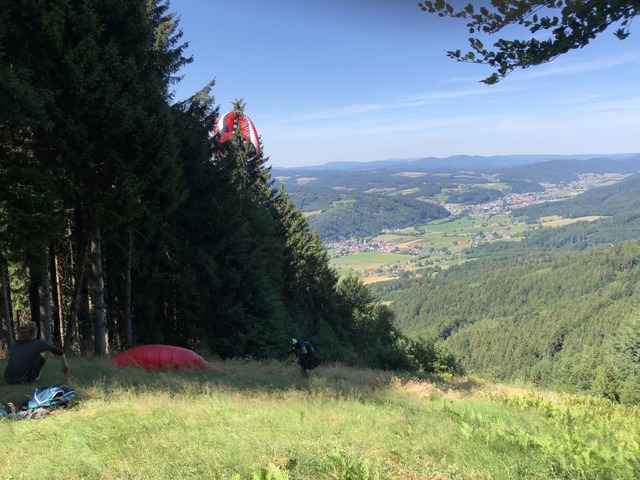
(368, 260)
(264, 420)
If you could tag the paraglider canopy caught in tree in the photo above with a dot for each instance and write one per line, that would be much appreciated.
(226, 125)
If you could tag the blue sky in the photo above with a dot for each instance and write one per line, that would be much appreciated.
(365, 80)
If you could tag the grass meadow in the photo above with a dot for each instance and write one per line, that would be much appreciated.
(263, 420)
(370, 260)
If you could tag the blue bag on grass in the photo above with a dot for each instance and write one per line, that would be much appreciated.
(50, 396)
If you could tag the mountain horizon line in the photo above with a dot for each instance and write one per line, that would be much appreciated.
(462, 161)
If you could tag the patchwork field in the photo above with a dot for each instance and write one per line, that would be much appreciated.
(438, 244)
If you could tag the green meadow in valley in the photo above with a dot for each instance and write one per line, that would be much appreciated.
(263, 420)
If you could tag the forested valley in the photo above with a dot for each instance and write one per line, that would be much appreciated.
(123, 222)
(559, 309)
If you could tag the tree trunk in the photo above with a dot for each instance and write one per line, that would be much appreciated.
(44, 293)
(78, 281)
(34, 298)
(6, 307)
(128, 328)
(97, 294)
(56, 297)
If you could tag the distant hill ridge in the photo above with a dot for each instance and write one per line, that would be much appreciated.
(462, 162)
(369, 198)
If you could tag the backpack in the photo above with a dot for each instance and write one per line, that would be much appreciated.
(309, 346)
(50, 396)
(312, 361)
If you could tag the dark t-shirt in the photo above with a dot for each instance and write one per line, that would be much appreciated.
(22, 356)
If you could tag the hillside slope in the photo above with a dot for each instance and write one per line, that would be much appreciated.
(541, 316)
(367, 215)
(262, 420)
(621, 197)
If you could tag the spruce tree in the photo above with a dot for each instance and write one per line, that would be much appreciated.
(103, 142)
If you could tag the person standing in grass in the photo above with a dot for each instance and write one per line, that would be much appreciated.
(306, 353)
(28, 355)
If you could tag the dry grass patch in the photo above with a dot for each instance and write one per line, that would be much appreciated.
(558, 221)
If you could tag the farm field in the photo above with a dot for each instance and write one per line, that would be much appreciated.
(412, 250)
(437, 245)
(558, 221)
(370, 261)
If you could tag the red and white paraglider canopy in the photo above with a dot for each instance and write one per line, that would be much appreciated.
(226, 124)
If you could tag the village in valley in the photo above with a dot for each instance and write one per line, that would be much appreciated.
(409, 251)
(413, 250)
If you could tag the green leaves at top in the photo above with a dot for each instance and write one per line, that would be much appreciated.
(574, 26)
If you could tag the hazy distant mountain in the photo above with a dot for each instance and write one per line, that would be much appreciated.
(458, 162)
(427, 177)
(563, 171)
(357, 199)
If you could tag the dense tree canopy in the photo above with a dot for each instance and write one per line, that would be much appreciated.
(569, 25)
(537, 314)
(123, 222)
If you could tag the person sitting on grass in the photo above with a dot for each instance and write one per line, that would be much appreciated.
(28, 355)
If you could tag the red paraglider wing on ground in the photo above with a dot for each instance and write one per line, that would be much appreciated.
(160, 357)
